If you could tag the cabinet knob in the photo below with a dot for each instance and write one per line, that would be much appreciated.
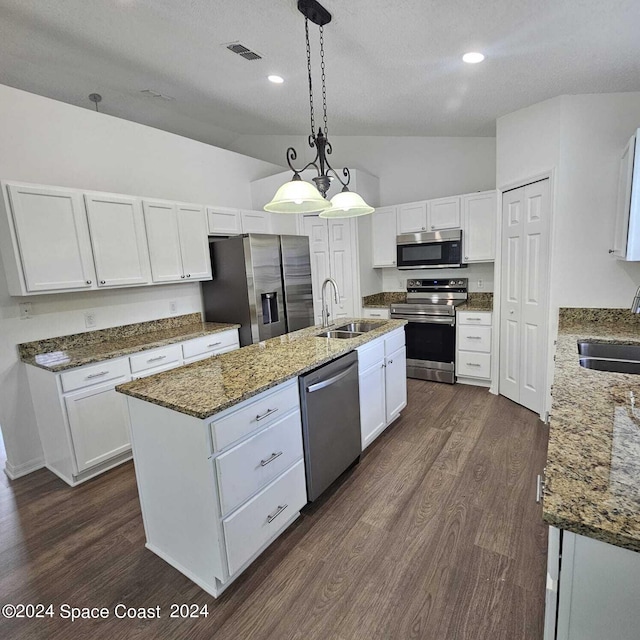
(88, 281)
(182, 276)
(424, 228)
(433, 226)
(188, 275)
(612, 250)
(466, 257)
(102, 282)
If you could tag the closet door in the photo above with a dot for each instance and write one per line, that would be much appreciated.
(318, 231)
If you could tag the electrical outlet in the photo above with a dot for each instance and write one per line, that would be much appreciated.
(90, 319)
(26, 310)
(480, 283)
(173, 307)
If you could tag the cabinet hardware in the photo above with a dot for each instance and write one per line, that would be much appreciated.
(276, 513)
(433, 226)
(390, 361)
(612, 250)
(539, 488)
(268, 412)
(424, 228)
(511, 312)
(156, 358)
(102, 282)
(188, 275)
(213, 344)
(475, 319)
(97, 375)
(466, 257)
(182, 276)
(375, 315)
(472, 364)
(88, 281)
(474, 337)
(271, 458)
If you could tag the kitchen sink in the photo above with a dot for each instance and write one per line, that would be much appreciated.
(360, 327)
(338, 333)
(604, 356)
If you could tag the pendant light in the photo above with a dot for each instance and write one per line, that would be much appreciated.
(299, 196)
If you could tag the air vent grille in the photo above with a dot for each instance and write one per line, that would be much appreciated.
(245, 52)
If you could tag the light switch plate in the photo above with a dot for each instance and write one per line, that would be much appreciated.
(26, 310)
(90, 319)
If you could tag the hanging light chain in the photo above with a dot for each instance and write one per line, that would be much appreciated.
(306, 33)
(324, 86)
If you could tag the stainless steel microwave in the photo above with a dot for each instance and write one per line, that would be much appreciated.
(433, 250)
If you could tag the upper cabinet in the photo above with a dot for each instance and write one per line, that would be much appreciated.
(224, 221)
(118, 239)
(178, 245)
(479, 218)
(256, 222)
(444, 213)
(412, 217)
(45, 240)
(383, 233)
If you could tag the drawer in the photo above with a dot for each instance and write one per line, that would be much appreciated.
(101, 372)
(474, 317)
(212, 343)
(253, 464)
(156, 358)
(263, 517)
(382, 313)
(393, 341)
(254, 414)
(474, 365)
(474, 338)
(369, 354)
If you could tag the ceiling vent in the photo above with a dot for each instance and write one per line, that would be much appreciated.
(150, 93)
(241, 50)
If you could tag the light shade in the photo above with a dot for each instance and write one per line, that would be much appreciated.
(347, 204)
(297, 196)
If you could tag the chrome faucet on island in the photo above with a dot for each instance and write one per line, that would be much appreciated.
(325, 307)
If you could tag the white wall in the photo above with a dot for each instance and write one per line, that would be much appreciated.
(50, 142)
(409, 168)
(395, 280)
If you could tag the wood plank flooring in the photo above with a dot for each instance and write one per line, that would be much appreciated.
(434, 535)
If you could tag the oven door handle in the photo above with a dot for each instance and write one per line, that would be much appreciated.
(422, 319)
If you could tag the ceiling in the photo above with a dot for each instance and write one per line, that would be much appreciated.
(393, 68)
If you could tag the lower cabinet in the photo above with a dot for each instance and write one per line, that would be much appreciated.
(382, 312)
(382, 373)
(473, 347)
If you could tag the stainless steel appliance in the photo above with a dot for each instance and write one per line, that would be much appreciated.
(262, 282)
(431, 329)
(330, 400)
(433, 250)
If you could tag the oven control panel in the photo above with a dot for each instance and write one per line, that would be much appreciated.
(437, 285)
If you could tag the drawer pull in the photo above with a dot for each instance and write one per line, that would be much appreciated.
(474, 337)
(268, 412)
(213, 344)
(474, 319)
(472, 364)
(375, 315)
(271, 458)
(276, 513)
(97, 375)
(156, 358)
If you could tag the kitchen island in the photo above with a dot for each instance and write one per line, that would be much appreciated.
(218, 445)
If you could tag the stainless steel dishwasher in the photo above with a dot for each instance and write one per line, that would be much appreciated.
(330, 399)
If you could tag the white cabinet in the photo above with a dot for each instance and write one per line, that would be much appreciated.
(444, 213)
(395, 383)
(194, 244)
(224, 221)
(118, 239)
(49, 249)
(479, 225)
(412, 217)
(626, 241)
(473, 347)
(256, 222)
(384, 231)
(383, 313)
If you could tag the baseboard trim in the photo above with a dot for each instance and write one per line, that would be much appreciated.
(14, 472)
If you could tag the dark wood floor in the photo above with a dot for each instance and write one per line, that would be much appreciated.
(435, 535)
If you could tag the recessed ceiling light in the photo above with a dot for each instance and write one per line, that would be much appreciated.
(276, 79)
(473, 57)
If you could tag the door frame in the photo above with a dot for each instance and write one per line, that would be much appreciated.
(552, 318)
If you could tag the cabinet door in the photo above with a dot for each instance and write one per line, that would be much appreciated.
(396, 383)
(480, 215)
(444, 213)
(99, 424)
(194, 242)
(384, 230)
(161, 223)
(53, 238)
(223, 221)
(118, 238)
(373, 417)
(625, 180)
(341, 254)
(256, 222)
(412, 218)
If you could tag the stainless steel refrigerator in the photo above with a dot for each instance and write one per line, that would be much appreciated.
(262, 282)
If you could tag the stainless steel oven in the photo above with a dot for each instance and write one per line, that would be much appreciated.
(430, 332)
(433, 250)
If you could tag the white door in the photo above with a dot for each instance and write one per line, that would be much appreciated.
(523, 327)
(194, 242)
(412, 217)
(444, 213)
(118, 238)
(53, 238)
(373, 417)
(341, 267)
(479, 217)
(384, 226)
(99, 424)
(224, 221)
(318, 231)
(256, 222)
(161, 223)
(396, 383)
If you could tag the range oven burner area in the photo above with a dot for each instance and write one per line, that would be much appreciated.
(430, 312)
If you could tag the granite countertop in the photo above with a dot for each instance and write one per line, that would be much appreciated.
(477, 302)
(205, 388)
(68, 352)
(593, 466)
(383, 299)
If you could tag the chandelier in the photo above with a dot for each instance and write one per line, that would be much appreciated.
(299, 196)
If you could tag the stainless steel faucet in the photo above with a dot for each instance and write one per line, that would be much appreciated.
(635, 305)
(325, 307)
